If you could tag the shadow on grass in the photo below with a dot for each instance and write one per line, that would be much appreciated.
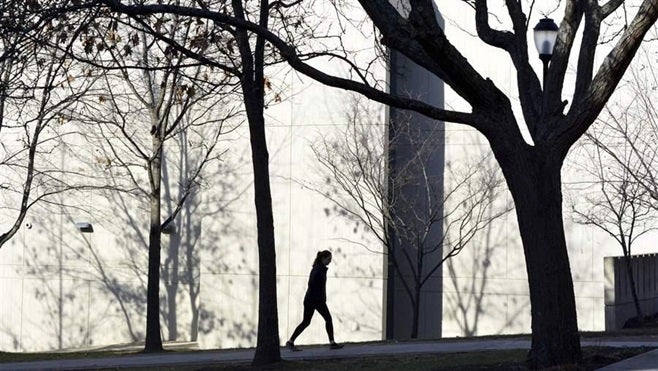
(6, 357)
(593, 358)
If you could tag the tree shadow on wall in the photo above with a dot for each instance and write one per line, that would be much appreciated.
(467, 286)
(57, 284)
(234, 319)
(358, 307)
(103, 274)
(203, 223)
(466, 301)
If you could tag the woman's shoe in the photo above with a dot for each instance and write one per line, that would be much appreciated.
(335, 346)
(292, 347)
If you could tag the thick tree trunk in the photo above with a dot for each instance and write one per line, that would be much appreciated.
(534, 180)
(153, 337)
(267, 345)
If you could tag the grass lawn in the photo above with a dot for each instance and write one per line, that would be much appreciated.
(6, 357)
(594, 357)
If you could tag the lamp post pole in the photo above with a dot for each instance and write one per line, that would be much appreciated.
(545, 59)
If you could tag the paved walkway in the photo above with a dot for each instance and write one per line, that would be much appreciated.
(648, 361)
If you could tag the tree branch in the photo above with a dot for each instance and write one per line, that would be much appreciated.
(499, 39)
(421, 40)
(608, 76)
(530, 90)
(288, 52)
(609, 7)
(587, 50)
(560, 59)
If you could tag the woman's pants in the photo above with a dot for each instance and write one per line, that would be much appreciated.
(308, 314)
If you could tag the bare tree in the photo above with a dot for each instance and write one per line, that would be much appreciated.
(39, 88)
(628, 129)
(621, 159)
(184, 241)
(182, 264)
(424, 219)
(237, 53)
(162, 100)
(618, 207)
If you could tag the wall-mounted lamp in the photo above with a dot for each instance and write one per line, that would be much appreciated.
(168, 228)
(84, 227)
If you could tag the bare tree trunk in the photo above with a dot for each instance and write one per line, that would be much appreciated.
(172, 285)
(153, 336)
(253, 91)
(631, 281)
(192, 262)
(172, 260)
(194, 324)
(534, 180)
(60, 271)
(417, 286)
(416, 314)
(267, 348)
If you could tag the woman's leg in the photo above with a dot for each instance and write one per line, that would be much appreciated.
(324, 312)
(308, 314)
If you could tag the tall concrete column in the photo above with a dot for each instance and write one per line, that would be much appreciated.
(416, 158)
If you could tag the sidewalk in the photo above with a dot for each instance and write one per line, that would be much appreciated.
(322, 352)
(646, 361)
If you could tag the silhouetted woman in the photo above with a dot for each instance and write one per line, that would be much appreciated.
(316, 299)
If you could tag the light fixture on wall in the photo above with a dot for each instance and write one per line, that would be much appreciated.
(168, 228)
(545, 33)
(84, 227)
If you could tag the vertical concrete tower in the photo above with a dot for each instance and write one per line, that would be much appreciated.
(416, 164)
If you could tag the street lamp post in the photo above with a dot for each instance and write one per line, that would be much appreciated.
(545, 36)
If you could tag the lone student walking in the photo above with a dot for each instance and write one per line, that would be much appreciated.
(316, 299)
